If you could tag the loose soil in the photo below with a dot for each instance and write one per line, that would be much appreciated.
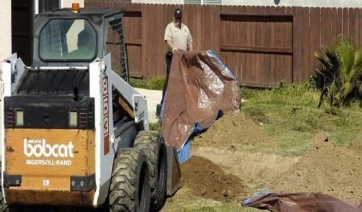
(208, 180)
(247, 165)
(231, 130)
(325, 168)
(356, 144)
(216, 163)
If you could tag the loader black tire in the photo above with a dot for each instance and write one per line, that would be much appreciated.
(3, 206)
(152, 143)
(130, 182)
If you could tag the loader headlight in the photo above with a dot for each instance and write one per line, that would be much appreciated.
(73, 118)
(19, 117)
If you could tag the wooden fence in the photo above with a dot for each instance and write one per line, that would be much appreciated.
(260, 45)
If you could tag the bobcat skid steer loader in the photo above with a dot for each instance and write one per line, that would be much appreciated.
(74, 133)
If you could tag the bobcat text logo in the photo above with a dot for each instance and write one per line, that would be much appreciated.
(105, 106)
(105, 116)
(40, 148)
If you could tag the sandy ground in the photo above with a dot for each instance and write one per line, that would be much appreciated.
(153, 98)
(324, 168)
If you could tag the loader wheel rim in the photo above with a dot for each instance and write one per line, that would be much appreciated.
(161, 171)
(144, 187)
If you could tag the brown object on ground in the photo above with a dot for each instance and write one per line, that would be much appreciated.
(233, 129)
(301, 202)
(198, 88)
(206, 179)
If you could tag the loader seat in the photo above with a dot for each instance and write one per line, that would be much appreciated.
(86, 46)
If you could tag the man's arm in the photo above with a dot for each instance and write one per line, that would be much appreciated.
(189, 41)
(191, 48)
(168, 38)
(170, 45)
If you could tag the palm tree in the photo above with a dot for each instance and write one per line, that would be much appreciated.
(340, 73)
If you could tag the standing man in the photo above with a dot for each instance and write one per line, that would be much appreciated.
(177, 36)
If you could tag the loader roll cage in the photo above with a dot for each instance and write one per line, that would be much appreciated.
(57, 36)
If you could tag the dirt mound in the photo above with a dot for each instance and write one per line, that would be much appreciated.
(325, 168)
(247, 165)
(232, 129)
(208, 180)
(356, 144)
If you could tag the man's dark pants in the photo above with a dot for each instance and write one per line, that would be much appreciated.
(168, 67)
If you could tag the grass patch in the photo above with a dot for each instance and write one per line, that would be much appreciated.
(155, 83)
(300, 95)
(290, 115)
(185, 201)
(155, 126)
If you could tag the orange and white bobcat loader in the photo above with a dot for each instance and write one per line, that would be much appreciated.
(73, 130)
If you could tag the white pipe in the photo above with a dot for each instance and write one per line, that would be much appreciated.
(36, 7)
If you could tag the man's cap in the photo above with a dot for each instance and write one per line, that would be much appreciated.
(177, 13)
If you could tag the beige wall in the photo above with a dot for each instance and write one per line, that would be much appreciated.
(5, 32)
(68, 3)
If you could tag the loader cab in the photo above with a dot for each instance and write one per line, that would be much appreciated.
(71, 37)
(67, 40)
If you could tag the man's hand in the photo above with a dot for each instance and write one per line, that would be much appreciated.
(174, 49)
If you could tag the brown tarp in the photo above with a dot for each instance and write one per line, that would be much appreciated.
(199, 87)
(302, 202)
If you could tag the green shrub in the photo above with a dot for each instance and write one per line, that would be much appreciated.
(339, 74)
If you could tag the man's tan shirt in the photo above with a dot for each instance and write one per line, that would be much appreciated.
(179, 37)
